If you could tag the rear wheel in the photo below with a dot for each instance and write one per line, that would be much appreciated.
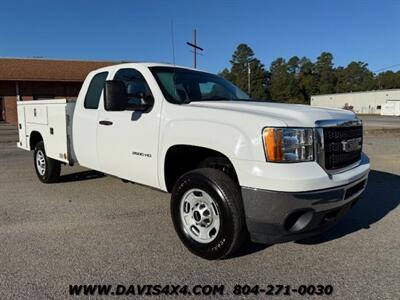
(47, 169)
(207, 213)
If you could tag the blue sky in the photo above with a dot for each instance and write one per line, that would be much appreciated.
(141, 30)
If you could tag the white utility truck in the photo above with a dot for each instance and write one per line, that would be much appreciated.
(236, 167)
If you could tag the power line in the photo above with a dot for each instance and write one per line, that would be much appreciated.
(385, 68)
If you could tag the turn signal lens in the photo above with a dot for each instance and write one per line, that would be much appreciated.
(273, 144)
(289, 144)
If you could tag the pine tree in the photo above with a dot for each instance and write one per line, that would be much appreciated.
(242, 59)
(325, 73)
(283, 84)
(308, 84)
(388, 80)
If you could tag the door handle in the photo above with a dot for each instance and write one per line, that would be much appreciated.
(107, 123)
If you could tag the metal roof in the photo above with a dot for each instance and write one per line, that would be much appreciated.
(360, 92)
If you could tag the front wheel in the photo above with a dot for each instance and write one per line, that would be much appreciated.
(47, 169)
(207, 212)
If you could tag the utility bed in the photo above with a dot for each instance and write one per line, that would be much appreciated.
(53, 120)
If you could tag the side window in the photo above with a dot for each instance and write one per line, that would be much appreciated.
(94, 91)
(136, 86)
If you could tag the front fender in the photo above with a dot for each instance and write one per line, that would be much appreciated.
(224, 138)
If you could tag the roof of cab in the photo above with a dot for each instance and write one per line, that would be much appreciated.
(145, 64)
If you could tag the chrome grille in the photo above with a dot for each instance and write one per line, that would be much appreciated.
(339, 144)
(335, 155)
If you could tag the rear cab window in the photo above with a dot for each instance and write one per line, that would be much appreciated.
(94, 91)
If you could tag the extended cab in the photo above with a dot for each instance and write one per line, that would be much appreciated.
(235, 166)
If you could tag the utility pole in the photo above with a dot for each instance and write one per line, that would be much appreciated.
(195, 48)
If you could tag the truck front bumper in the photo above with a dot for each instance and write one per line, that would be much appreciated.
(275, 217)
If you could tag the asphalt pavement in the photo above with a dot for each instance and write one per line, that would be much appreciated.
(95, 229)
(380, 122)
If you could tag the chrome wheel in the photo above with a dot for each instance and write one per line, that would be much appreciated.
(200, 216)
(40, 162)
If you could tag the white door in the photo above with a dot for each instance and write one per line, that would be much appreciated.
(85, 121)
(127, 141)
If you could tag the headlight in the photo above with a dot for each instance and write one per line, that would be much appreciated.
(289, 144)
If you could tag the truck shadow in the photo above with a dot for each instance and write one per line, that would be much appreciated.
(79, 176)
(249, 248)
(381, 196)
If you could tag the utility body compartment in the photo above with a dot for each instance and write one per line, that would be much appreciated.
(52, 119)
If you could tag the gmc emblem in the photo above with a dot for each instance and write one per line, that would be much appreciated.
(352, 145)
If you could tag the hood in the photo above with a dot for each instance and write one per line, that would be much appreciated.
(291, 114)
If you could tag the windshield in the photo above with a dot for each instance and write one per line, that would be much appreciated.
(183, 86)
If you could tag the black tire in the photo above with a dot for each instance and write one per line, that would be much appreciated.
(226, 195)
(51, 168)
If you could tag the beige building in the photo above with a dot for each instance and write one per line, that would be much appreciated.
(362, 102)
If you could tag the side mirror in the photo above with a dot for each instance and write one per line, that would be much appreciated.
(115, 97)
(145, 105)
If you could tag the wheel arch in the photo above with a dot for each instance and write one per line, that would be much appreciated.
(34, 138)
(183, 158)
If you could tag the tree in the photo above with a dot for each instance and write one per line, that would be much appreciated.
(325, 73)
(242, 59)
(297, 79)
(388, 80)
(355, 77)
(283, 85)
(226, 74)
(308, 82)
(293, 65)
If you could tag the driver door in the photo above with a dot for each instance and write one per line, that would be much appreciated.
(127, 141)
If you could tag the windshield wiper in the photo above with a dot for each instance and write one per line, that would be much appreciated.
(187, 101)
(215, 99)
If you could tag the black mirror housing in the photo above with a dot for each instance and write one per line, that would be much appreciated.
(115, 97)
(145, 106)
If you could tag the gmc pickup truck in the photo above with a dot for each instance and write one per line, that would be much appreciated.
(236, 168)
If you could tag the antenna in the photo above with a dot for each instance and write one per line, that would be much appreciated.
(173, 42)
(173, 57)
